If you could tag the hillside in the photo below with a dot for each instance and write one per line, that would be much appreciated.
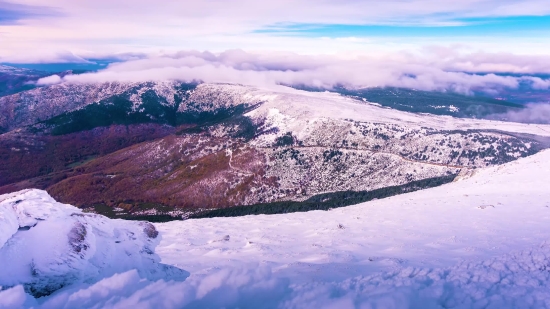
(480, 241)
(476, 106)
(171, 149)
(14, 80)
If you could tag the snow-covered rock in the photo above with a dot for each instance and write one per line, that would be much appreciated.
(518, 280)
(45, 245)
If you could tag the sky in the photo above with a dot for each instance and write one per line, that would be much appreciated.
(322, 41)
(66, 30)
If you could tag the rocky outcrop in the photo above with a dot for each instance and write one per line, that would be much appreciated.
(49, 245)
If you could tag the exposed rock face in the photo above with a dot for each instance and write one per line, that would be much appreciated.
(49, 245)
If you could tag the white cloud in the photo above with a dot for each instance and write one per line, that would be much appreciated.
(428, 71)
(532, 113)
(49, 80)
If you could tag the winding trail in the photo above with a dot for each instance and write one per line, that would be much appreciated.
(229, 152)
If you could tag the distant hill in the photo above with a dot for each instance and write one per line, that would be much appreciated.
(14, 80)
(430, 102)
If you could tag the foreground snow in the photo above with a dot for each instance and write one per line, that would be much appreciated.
(518, 280)
(480, 242)
(45, 245)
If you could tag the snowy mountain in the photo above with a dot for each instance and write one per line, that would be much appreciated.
(480, 241)
(172, 149)
(14, 80)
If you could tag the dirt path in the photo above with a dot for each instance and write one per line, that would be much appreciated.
(230, 153)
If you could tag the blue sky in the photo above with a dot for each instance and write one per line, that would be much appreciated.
(535, 26)
(13, 13)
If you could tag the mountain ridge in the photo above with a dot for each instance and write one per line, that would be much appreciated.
(212, 146)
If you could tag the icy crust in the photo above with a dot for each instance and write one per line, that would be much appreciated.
(45, 245)
(517, 280)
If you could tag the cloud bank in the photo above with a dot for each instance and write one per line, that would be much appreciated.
(432, 70)
(532, 113)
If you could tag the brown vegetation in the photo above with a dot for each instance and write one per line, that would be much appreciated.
(189, 171)
(27, 155)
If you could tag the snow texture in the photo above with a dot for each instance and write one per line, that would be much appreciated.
(46, 245)
(517, 280)
(485, 213)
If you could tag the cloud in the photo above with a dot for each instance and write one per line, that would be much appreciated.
(417, 71)
(144, 26)
(49, 80)
(13, 13)
(532, 113)
(59, 56)
(251, 14)
(538, 83)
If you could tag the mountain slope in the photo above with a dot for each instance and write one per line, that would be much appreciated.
(437, 103)
(220, 145)
(481, 241)
(14, 80)
(483, 214)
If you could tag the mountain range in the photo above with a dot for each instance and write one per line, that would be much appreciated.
(167, 150)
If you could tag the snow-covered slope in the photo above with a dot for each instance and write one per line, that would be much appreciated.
(313, 105)
(45, 245)
(493, 212)
(479, 242)
(30, 107)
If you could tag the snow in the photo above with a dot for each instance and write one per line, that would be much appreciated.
(49, 245)
(479, 242)
(489, 214)
(518, 280)
(13, 70)
(309, 106)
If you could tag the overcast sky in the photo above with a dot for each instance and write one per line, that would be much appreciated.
(40, 30)
(425, 44)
